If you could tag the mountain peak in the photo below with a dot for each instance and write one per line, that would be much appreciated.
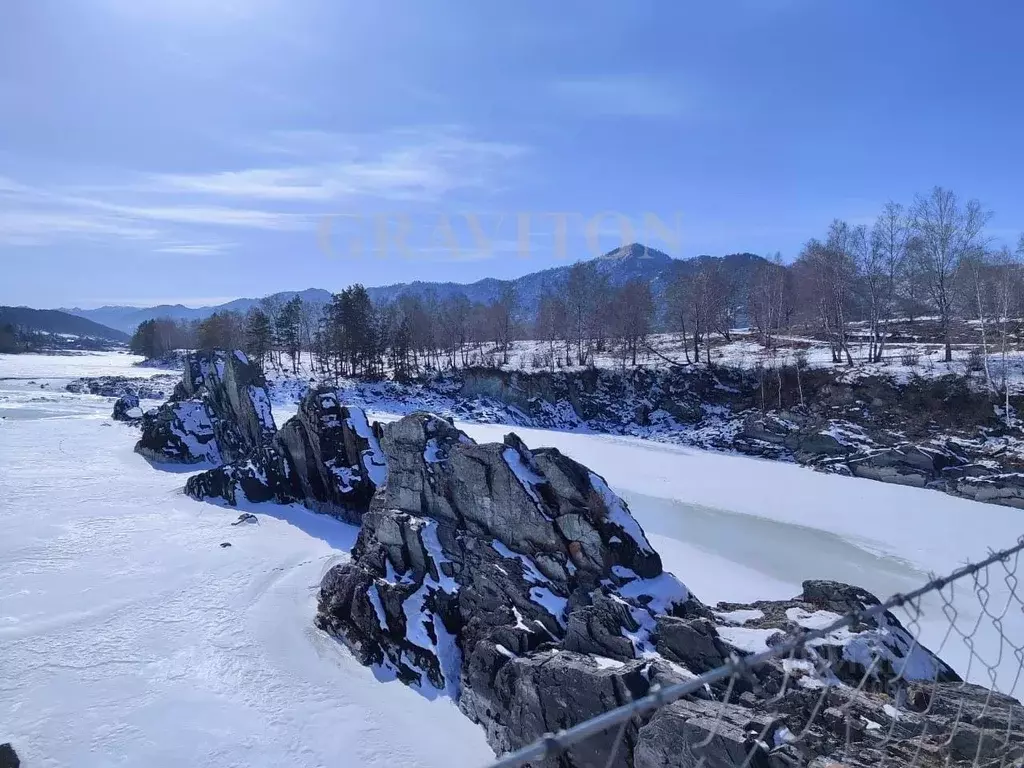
(637, 251)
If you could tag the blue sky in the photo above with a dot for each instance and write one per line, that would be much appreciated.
(192, 151)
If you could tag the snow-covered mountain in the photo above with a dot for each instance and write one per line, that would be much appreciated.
(629, 262)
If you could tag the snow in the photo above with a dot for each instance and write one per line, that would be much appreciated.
(240, 356)
(812, 620)
(618, 515)
(378, 606)
(373, 458)
(261, 403)
(530, 572)
(550, 602)
(129, 637)
(526, 476)
(659, 593)
(432, 451)
(740, 616)
(747, 639)
(192, 420)
(428, 535)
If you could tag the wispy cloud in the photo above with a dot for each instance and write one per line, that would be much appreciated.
(411, 164)
(625, 96)
(296, 177)
(195, 249)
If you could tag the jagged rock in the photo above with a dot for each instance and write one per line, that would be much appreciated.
(686, 734)
(246, 517)
(492, 572)
(127, 409)
(692, 642)
(180, 432)
(548, 690)
(219, 412)
(334, 455)
(8, 757)
(327, 457)
(873, 654)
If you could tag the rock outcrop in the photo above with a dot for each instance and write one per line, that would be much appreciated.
(219, 412)
(327, 457)
(510, 579)
(517, 583)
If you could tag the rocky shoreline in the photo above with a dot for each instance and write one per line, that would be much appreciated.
(517, 583)
(936, 433)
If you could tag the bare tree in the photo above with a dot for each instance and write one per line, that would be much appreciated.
(948, 234)
(633, 311)
(552, 325)
(882, 267)
(826, 276)
(766, 300)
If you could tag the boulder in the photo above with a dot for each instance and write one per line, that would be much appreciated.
(127, 409)
(181, 432)
(874, 654)
(686, 734)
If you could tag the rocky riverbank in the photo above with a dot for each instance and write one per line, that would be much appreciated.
(941, 433)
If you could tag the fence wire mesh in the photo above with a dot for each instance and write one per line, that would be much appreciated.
(814, 698)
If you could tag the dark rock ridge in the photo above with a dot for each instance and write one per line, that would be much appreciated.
(326, 457)
(116, 386)
(218, 413)
(517, 583)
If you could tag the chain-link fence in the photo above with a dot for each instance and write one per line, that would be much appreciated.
(820, 697)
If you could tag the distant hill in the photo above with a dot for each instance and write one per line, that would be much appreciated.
(55, 321)
(127, 319)
(619, 266)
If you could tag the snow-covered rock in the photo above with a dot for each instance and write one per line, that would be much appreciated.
(127, 409)
(327, 457)
(219, 412)
(507, 578)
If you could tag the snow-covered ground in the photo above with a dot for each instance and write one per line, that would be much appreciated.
(129, 636)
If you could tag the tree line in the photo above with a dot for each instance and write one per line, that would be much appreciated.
(929, 258)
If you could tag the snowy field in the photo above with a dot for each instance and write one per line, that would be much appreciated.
(129, 636)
